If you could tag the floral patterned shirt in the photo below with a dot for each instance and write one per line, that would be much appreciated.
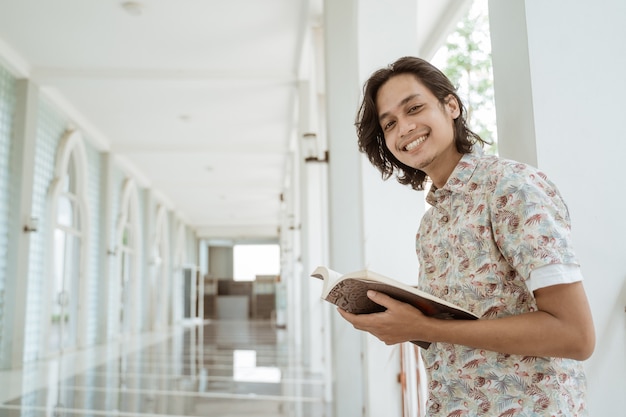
(492, 223)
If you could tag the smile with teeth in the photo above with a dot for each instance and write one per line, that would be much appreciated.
(415, 143)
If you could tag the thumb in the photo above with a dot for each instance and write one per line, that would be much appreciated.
(381, 298)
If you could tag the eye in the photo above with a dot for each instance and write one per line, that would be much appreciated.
(389, 125)
(415, 108)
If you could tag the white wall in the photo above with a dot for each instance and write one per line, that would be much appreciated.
(576, 58)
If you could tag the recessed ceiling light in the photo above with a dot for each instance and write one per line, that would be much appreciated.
(133, 8)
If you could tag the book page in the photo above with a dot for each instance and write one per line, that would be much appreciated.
(329, 277)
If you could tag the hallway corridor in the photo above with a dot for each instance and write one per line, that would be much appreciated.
(217, 369)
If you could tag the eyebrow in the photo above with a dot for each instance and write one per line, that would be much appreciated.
(403, 102)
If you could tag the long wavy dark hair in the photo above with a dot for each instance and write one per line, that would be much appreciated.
(370, 133)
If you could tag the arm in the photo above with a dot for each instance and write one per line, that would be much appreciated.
(562, 326)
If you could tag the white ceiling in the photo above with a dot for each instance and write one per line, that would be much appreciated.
(195, 98)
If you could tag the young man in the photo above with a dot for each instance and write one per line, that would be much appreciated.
(496, 241)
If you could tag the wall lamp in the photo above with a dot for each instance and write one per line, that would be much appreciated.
(309, 148)
(31, 225)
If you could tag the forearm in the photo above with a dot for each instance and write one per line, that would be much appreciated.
(532, 334)
(561, 327)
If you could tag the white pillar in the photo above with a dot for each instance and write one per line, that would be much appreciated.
(372, 223)
(568, 75)
(512, 79)
(314, 213)
(22, 164)
(306, 186)
(290, 254)
(345, 198)
(148, 282)
(391, 211)
(292, 230)
(108, 250)
(313, 166)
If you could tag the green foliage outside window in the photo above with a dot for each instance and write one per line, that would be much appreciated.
(466, 60)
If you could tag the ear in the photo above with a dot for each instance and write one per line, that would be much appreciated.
(452, 106)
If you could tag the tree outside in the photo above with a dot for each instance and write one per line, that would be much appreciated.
(466, 60)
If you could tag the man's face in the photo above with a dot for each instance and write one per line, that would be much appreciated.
(418, 130)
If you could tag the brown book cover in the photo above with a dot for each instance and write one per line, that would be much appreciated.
(349, 292)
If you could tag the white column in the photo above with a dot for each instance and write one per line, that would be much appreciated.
(512, 80)
(313, 166)
(294, 285)
(305, 186)
(345, 197)
(571, 120)
(391, 211)
(22, 164)
(109, 251)
(314, 212)
(291, 283)
(150, 311)
(372, 223)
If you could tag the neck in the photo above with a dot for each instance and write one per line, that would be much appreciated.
(440, 173)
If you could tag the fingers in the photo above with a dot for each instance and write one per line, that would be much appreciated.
(345, 314)
(377, 297)
(396, 324)
(382, 299)
(357, 321)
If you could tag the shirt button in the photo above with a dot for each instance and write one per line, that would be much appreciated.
(444, 219)
(446, 255)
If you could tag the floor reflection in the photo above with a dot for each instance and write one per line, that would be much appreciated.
(225, 369)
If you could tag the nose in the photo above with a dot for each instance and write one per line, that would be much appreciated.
(406, 125)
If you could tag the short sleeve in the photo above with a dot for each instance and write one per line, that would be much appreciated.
(530, 220)
(554, 274)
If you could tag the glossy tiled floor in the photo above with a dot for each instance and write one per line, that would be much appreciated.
(217, 369)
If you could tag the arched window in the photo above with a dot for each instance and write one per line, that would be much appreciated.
(68, 282)
(127, 303)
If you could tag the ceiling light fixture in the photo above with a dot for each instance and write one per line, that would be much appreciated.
(133, 8)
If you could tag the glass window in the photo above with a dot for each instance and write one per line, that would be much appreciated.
(252, 260)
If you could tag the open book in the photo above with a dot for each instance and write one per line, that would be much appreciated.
(349, 292)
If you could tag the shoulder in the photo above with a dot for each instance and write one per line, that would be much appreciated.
(506, 175)
(505, 167)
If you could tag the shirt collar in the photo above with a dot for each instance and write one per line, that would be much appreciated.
(459, 178)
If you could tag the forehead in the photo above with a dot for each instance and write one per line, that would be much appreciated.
(399, 89)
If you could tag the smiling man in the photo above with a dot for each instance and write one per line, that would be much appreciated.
(496, 241)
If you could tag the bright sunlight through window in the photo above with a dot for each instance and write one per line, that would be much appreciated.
(252, 260)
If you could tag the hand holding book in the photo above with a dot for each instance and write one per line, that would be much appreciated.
(349, 292)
